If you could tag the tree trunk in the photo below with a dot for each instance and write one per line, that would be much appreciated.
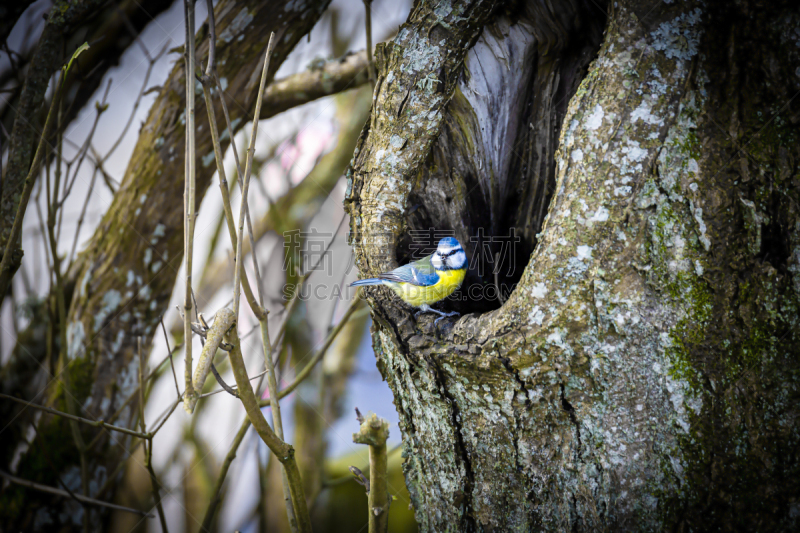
(110, 31)
(643, 373)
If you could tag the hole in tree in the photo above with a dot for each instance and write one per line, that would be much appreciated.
(775, 241)
(496, 215)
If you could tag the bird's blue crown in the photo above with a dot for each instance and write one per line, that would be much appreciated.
(449, 242)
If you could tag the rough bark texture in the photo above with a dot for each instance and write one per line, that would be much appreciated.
(110, 31)
(129, 267)
(643, 373)
(25, 134)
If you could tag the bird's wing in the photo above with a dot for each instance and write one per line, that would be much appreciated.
(419, 272)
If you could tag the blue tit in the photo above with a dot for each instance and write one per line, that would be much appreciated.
(429, 280)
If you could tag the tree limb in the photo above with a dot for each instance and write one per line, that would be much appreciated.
(283, 452)
(59, 492)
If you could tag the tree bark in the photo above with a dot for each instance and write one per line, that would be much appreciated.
(643, 373)
(69, 25)
(109, 31)
(25, 135)
(128, 270)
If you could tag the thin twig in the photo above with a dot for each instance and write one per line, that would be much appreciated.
(171, 362)
(228, 123)
(212, 39)
(227, 388)
(188, 196)
(100, 108)
(283, 452)
(368, 13)
(59, 492)
(16, 228)
(277, 422)
(299, 286)
(254, 255)
(82, 216)
(69, 399)
(165, 416)
(136, 103)
(296, 511)
(135, 394)
(95, 423)
(246, 182)
(148, 446)
(303, 374)
(258, 311)
(216, 497)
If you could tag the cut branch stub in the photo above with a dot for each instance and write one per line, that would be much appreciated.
(374, 432)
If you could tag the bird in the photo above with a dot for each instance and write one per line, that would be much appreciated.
(428, 280)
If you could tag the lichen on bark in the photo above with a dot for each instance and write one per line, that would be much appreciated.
(624, 383)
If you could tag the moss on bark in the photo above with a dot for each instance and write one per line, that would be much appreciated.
(642, 375)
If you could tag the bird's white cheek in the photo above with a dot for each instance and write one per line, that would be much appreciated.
(436, 261)
(459, 260)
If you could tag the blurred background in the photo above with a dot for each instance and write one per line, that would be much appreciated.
(317, 140)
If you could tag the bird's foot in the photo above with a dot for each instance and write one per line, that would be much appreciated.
(444, 315)
(423, 309)
(429, 309)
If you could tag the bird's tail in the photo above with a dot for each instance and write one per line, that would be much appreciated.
(369, 281)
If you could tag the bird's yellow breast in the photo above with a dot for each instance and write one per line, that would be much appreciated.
(449, 281)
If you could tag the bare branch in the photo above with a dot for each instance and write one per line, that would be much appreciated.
(227, 388)
(246, 182)
(95, 423)
(188, 199)
(216, 497)
(223, 185)
(169, 352)
(283, 452)
(310, 193)
(303, 374)
(148, 446)
(45, 60)
(333, 77)
(368, 13)
(212, 40)
(59, 492)
(12, 253)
